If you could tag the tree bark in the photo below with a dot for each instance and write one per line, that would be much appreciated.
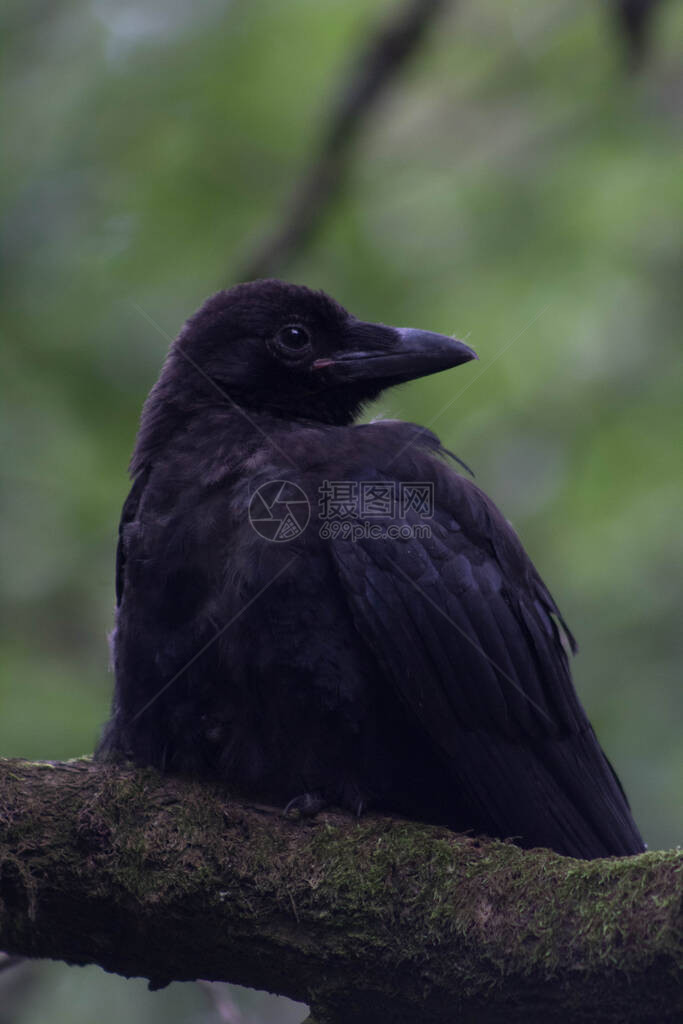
(377, 920)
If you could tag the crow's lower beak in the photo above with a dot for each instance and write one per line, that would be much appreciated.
(403, 354)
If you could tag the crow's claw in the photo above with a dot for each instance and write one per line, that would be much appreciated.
(307, 804)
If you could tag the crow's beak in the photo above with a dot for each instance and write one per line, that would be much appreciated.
(395, 354)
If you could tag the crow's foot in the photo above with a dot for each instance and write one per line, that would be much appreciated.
(307, 804)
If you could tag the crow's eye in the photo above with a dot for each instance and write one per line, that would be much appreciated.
(295, 337)
(292, 341)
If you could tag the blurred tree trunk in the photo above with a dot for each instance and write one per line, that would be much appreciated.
(378, 920)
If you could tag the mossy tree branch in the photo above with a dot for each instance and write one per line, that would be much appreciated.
(377, 920)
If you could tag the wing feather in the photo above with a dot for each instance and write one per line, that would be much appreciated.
(469, 638)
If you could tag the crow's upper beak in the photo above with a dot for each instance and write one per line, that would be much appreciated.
(395, 354)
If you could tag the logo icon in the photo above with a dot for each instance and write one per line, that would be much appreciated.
(279, 511)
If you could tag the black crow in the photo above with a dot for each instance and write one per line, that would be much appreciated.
(318, 612)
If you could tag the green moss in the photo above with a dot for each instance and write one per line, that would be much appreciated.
(400, 906)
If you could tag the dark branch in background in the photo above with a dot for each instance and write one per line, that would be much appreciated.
(371, 921)
(635, 21)
(374, 71)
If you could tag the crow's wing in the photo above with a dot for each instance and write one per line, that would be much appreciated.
(468, 636)
(128, 514)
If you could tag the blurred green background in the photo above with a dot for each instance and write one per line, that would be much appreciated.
(514, 186)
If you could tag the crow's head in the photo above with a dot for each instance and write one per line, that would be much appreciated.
(284, 349)
(288, 350)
